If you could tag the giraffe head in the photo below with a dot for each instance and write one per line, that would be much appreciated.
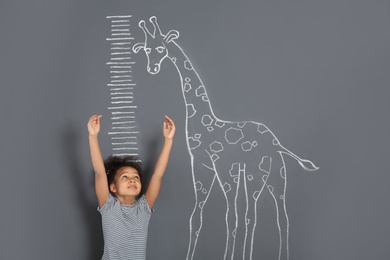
(155, 45)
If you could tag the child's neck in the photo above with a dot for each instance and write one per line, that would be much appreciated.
(126, 200)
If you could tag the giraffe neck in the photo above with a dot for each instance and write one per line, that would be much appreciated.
(194, 93)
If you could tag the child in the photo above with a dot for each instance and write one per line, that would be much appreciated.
(126, 213)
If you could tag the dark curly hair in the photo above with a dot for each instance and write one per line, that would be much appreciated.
(113, 163)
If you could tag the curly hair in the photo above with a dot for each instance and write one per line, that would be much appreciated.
(113, 163)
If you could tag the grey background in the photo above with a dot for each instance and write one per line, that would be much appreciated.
(315, 72)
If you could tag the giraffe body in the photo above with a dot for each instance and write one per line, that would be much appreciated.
(232, 155)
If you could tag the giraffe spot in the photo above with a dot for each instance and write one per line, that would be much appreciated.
(220, 124)
(210, 128)
(265, 178)
(187, 87)
(234, 170)
(233, 135)
(262, 128)
(226, 187)
(187, 79)
(236, 180)
(198, 185)
(197, 136)
(216, 147)
(234, 233)
(201, 204)
(255, 143)
(207, 120)
(265, 164)
(247, 221)
(281, 197)
(241, 124)
(270, 188)
(246, 146)
(174, 60)
(188, 65)
(256, 195)
(204, 191)
(193, 143)
(275, 141)
(283, 172)
(214, 157)
(200, 91)
(205, 98)
(197, 233)
(191, 111)
(250, 177)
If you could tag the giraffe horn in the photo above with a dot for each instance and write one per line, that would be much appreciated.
(142, 25)
(153, 20)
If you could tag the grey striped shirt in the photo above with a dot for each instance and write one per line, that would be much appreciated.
(125, 229)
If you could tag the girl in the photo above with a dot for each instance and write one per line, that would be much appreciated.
(126, 213)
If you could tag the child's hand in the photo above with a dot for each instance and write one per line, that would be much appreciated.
(169, 128)
(94, 125)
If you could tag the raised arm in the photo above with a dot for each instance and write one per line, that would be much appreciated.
(154, 186)
(101, 183)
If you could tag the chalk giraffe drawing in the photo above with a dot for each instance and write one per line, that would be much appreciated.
(233, 153)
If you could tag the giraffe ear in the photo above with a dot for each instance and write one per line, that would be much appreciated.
(138, 46)
(171, 35)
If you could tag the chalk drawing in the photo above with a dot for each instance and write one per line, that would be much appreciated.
(237, 155)
(123, 126)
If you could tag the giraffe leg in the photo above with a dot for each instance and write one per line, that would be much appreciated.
(281, 216)
(254, 185)
(203, 178)
(230, 190)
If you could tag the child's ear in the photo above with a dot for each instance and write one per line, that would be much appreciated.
(112, 187)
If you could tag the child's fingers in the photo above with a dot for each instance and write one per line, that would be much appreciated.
(169, 121)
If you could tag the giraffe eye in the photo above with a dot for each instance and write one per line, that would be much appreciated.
(160, 49)
(147, 50)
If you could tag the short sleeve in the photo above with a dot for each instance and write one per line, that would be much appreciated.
(110, 202)
(144, 204)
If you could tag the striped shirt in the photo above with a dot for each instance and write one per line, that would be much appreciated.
(125, 229)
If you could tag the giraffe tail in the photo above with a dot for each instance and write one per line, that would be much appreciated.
(305, 164)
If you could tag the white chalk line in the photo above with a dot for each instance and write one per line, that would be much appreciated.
(121, 112)
(123, 133)
(120, 39)
(120, 43)
(121, 76)
(118, 89)
(120, 30)
(125, 148)
(120, 34)
(120, 21)
(125, 143)
(120, 63)
(121, 58)
(120, 25)
(123, 122)
(121, 93)
(122, 97)
(123, 107)
(120, 53)
(122, 117)
(121, 67)
(119, 16)
(121, 80)
(121, 102)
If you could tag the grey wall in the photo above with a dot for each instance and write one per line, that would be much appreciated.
(315, 72)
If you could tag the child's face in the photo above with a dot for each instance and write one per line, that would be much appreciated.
(127, 182)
